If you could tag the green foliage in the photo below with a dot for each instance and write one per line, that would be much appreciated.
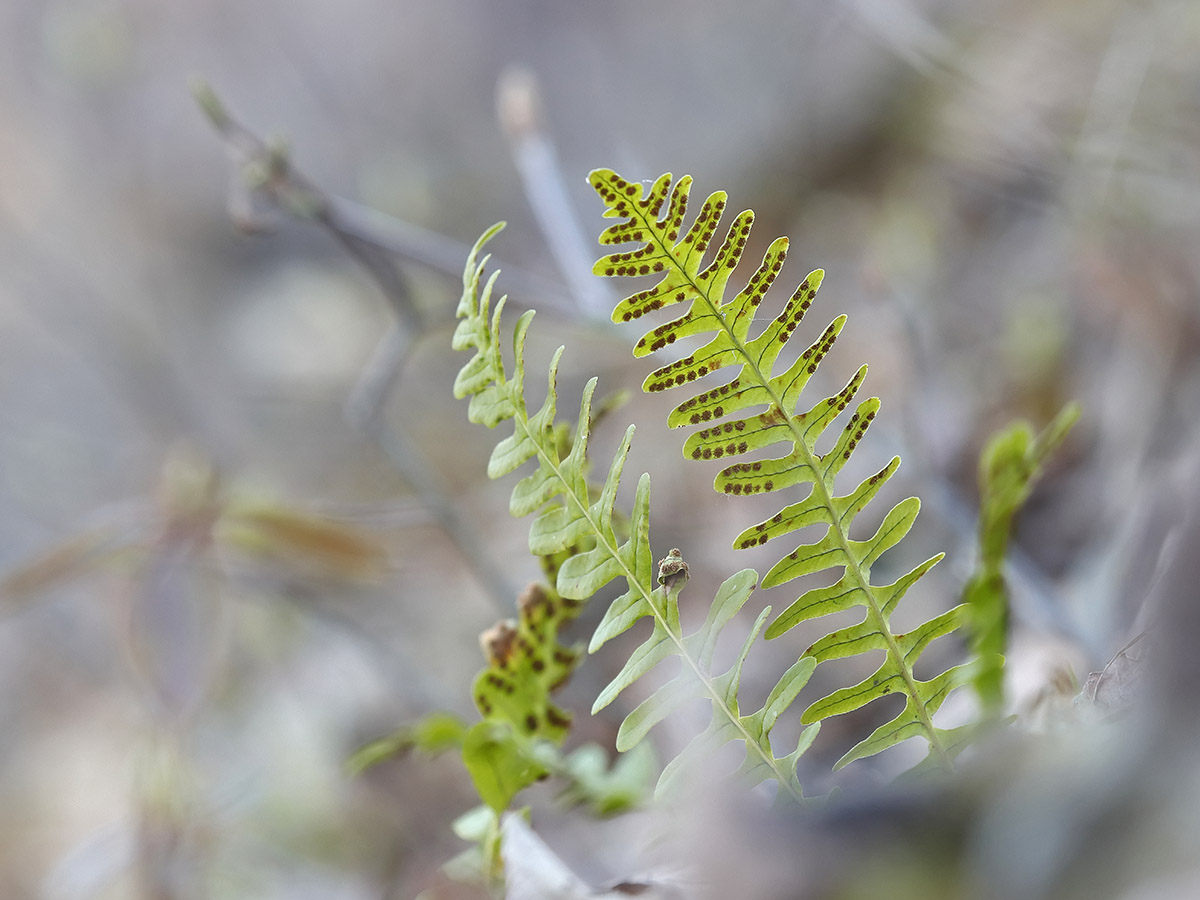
(697, 680)
(514, 744)
(502, 762)
(586, 542)
(568, 519)
(608, 790)
(516, 741)
(526, 663)
(432, 734)
(1008, 468)
(756, 409)
(569, 515)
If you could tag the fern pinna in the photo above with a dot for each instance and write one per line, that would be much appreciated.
(569, 515)
(757, 409)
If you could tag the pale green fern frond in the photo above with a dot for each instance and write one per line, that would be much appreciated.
(497, 397)
(569, 515)
(756, 409)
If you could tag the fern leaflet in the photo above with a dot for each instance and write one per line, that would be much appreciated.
(757, 409)
(582, 520)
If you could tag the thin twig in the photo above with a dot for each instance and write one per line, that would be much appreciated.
(518, 104)
(369, 235)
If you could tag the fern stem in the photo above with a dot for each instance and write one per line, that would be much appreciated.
(860, 577)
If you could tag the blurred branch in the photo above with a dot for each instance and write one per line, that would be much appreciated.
(1108, 114)
(370, 236)
(903, 29)
(267, 175)
(519, 107)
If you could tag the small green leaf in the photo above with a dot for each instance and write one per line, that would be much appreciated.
(433, 733)
(609, 790)
(501, 762)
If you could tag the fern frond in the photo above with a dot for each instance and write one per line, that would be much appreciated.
(756, 409)
(583, 519)
(497, 397)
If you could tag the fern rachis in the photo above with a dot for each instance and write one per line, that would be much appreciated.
(684, 278)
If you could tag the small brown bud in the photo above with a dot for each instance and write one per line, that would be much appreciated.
(672, 571)
(498, 642)
(532, 600)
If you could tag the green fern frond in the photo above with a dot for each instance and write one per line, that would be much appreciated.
(756, 409)
(496, 397)
(585, 520)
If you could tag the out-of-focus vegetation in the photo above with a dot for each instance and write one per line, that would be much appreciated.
(195, 640)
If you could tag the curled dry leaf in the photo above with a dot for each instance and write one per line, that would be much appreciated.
(304, 541)
(1113, 689)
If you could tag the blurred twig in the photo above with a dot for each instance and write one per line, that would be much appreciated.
(519, 107)
(372, 237)
(267, 176)
(903, 29)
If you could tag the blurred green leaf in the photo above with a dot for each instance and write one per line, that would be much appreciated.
(1009, 466)
(433, 734)
(502, 762)
(608, 790)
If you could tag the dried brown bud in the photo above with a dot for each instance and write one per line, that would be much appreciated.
(672, 571)
(532, 601)
(498, 642)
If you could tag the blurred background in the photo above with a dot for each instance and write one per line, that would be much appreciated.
(231, 554)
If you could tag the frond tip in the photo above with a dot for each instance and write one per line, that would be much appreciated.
(759, 408)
